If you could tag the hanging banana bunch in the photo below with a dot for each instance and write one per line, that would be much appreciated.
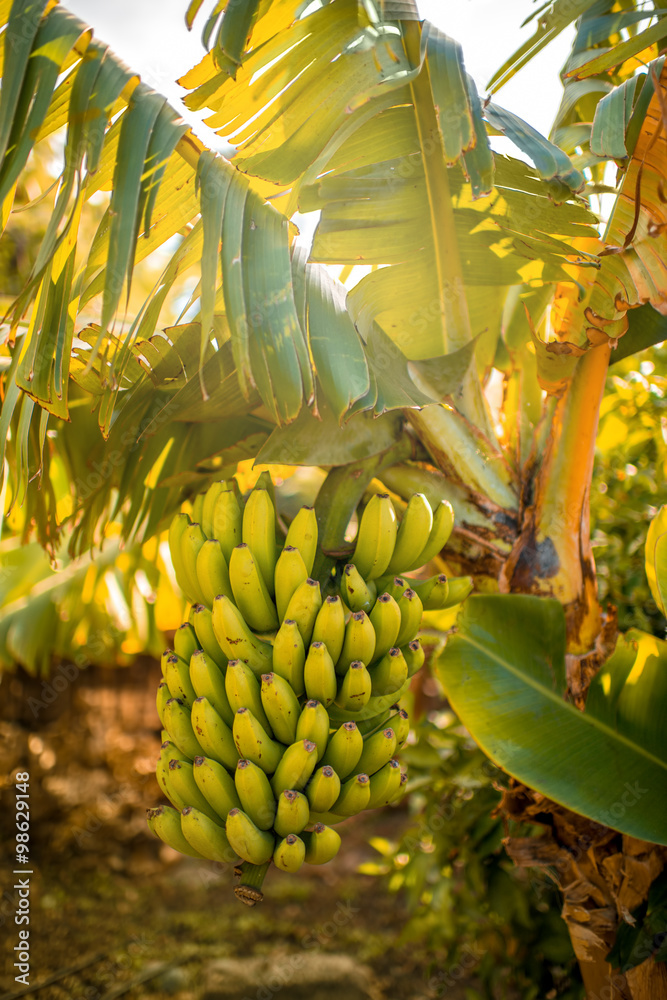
(279, 702)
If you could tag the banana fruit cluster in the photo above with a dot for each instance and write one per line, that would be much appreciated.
(279, 700)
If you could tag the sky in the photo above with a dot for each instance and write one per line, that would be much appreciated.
(152, 38)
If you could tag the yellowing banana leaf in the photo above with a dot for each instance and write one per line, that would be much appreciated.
(624, 50)
(504, 674)
(656, 558)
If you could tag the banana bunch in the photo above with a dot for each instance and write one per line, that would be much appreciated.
(279, 700)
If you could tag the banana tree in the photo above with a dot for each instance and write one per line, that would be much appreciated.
(460, 350)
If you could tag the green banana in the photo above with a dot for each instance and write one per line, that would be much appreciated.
(165, 823)
(163, 696)
(414, 656)
(259, 533)
(323, 789)
(378, 751)
(289, 655)
(208, 506)
(254, 743)
(322, 844)
(265, 482)
(302, 534)
(376, 537)
(370, 726)
(206, 836)
(319, 675)
(432, 592)
(163, 776)
(329, 626)
(243, 690)
(303, 607)
(443, 522)
(411, 615)
(373, 710)
(289, 853)
(249, 842)
(163, 660)
(182, 781)
(401, 789)
(216, 785)
(281, 706)
(185, 641)
(290, 572)
(178, 525)
(459, 588)
(227, 522)
(357, 593)
(295, 767)
(212, 572)
(250, 593)
(192, 540)
(292, 813)
(202, 622)
(354, 796)
(208, 682)
(393, 585)
(344, 750)
(177, 676)
(413, 534)
(401, 726)
(169, 751)
(359, 642)
(385, 784)
(214, 735)
(177, 723)
(390, 673)
(386, 621)
(313, 725)
(255, 794)
(354, 691)
(197, 507)
(236, 640)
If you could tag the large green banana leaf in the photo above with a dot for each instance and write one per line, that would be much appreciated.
(504, 672)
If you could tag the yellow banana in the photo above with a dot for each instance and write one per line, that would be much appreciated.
(212, 572)
(358, 594)
(378, 751)
(216, 785)
(281, 706)
(289, 655)
(386, 621)
(302, 534)
(254, 743)
(243, 690)
(255, 794)
(259, 533)
(206, 836)
(227, 522)
(401, 726)
(249, 842)
(289, 853)
(354, 796)
(303, 607)
(182, 781)
(236, 639)
(354, 691)
(202, 621)
(389, 674)
(292, 813)
(163, 775)
(443, 523)
(329, 626)
(165, 823)
(344, 750)
(178, 725)
(322, 844)
(192, 540)
(359, 642)
(413, 534)
(169, 751)
(208, 682)
(185, 641)
(250, 593)
(295, 767)
(197, 507)
(208, 507)
(177, 676)
(411, 615)
(178, 525)
(290, 572)
(401, 789)
(376, 537)
(393, 585)
(323, 789)
(214, 735)
(414, 656)
(319, 674)
(163, 696)
(313, 724)
(385, 784)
